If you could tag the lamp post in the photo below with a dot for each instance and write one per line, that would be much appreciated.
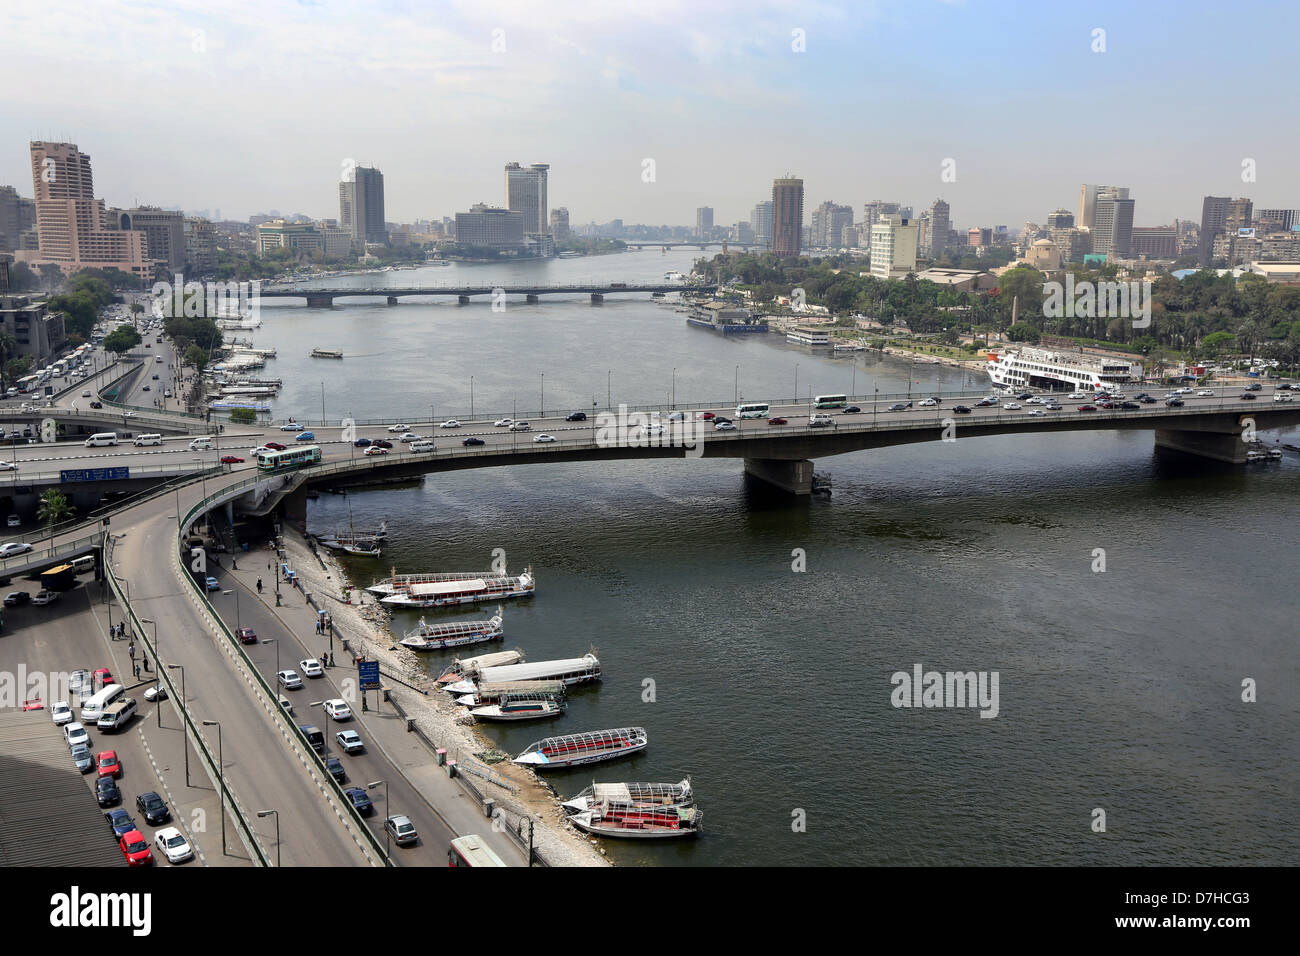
(322, 404)
(185, 718)
(796, 382)
(238, 619)
(672, 400)
(541, 413)
(221, 773)
(387, 836)
(272, 640)
(276, 814)
(736, 386)
(471, 398)
(325, 746)
(145, 620)
(609, 390)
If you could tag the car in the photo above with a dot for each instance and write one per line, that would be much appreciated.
(1105, 403)
(173, 845)
(1053, 407)
(14, 548)
(119, 821)
(473, 441)
(1036, 400)
(899, 407)
(61, 713)
(286, 703)
(550, 438)
(961, 409)
(17, 598)
(381, 443)
(410, 437)
(1037, 412)
(1206, 393)
(930, 403)
(1139, 396)
(449, 423)
(13, 521)
(76, 735)
(360, 801)
(724, 427)
(8, 466)
(653, 428)
(401, 829)
(851, 410)
(576, 417)
(1147, 400)
(361, 443)
(107, 793)
(231, 460)
(83, 759)
(499, 423)
(1087, 408)
(290, 426)
(289, 680)
(259, 450)
(350, 741)
(777, 421)
(305, 436)
(1174, 402)
(86, 392)
(107, 764)
(246, 635)
(399, 427)
(338, 709)
(44, 597)
(155, 378)
(376, 450)
(147, 388)
(335, 767)
(135, 849)
(96, 404)
(520, 427)
(275, 446)
(1012, 406)
(155, 693)
(705, 416)
(1253, 387)
(81, 682)
(1129, 406)
(212, 584)
(311, 667)
(1024, 396)
(153, 808)
(986, 403)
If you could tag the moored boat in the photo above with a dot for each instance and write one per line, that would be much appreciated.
(632, 795)
(438, 637)
(571, 671)
(493, 692)
(469, 667)
(594, 746)
(513, 709)
(640, 823)
(462, 590)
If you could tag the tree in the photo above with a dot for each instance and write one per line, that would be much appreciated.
(51, 275)
(122, 339)
(1216, 342)
(7, 346)
(54, 508)
(196, 356)
(243, 416)
(1023, 332)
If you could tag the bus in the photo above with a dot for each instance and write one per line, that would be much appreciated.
(753, 410)
(289, 458)
(27, 383)
(471, 851)
(830, 401)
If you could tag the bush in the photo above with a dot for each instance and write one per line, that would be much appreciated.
(243, 416)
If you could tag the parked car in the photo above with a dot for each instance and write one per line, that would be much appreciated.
(82, 758)
(153, 807)
(350, 741)
(576, 417)
(311, 667)
(402, 829)
(108, 765)
(119, 821)
(360, 801)
(76, 735)
(135, 849)
(107, 793)
(61, 713)
(173, 845)
(473, 441)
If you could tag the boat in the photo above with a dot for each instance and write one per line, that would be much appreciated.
(593, 746)
(512, 709)
(491, 692)
(326, 353)
(439, 637)
(1057, 369)
(437, 262)
(636, 810)
(463, 667)
(1254, 455)
(632, 795)
(570, 254)
(1275, 453)
(460, 589)
(572, 671)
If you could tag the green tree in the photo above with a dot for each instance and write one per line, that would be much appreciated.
(8, 344)
(122, 339)
(54, 508)
(196, 356)
(1023, 332)
(243, 416)
(51, 275)
(1216, 343)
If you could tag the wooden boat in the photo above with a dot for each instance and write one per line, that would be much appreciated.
(593, 746)
(511, 709)
(439, 637)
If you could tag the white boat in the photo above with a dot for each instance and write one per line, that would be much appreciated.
(572, 671)
(326, 353)
(439, 637)
(469, 667)
(493, 692)
(519, 710)
(593, 746)
(1275, 453)
(462, 590)
(632, 795)
(642, 811)
(1057, 369)
(1254, 455)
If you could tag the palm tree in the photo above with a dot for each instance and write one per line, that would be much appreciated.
(7, 344)
(54, 508)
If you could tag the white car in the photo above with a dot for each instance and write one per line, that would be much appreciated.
(8, 466)
(520, 426)
(286, 704)
(61, 713)
(410, 436)
(1011, 406)
(450, 423)
(724, 427)
(311, 667)
(76, 736)
(259, 450)
(1076, 396)
(155, 693)
(543, 438)
(350, 741)
(338, 709)
(42, 598)
(1037, 412)
(651, 429)
(400, 427)
(289, 680)
(173, 845)
(1030, 401)
(14, 547)
(503, 423)
(85, 393)
(291, 426)
(929, 403)
(1206, 393)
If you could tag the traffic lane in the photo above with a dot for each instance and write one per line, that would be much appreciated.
(281, 624)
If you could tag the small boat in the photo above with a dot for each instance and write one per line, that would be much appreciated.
(439, 637)
(461, 590)
(519, 710)
(493, 692)
(640, 823)
(591, 747)
(1254, 455)
(571, 671)
(463, 667)
(326, 353)
(1275, 453)
(632, 795)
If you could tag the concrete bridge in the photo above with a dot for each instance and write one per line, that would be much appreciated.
(324, 298)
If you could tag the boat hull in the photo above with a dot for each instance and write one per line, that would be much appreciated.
(402, 600)
(443, 643)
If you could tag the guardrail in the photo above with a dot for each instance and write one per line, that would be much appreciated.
(141, 471)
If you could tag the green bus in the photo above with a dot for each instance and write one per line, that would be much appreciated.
(289, 458)
(830, 401)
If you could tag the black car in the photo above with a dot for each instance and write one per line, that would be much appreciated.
(15, 598)
(961, 409)
(106, 791)
(380, 443)
(147, 388)
(1140, 395)
(120, 821)
(362, 443)
(719, 420)
(1023, 396)
(852, 410)
(1254, 386)
(473, 441)
(153, 807)
(899, 406)
(1247, 397)
(360, 801)
(155, 378)
(1174, 402)
(1147, 400)
(985, 403)
(335, 766)
(1129, 405)
(96, 404)
(576, 417)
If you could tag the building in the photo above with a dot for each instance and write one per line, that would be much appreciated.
(762, 222)
(4, 275)
(743, 233)
(1214, 218)
(1044, 255)
(17, 216)
(296, 236)
(200, 246)
(937, 232)
(1238, 215)
(38, 331)
(164, 229)
(893, 247)
(337, 241)
(526, 194)
(361, 207)
(560, 223)
(1073, 242)
(1112, 231)
(1266, 220)
(1089, 193)
(874, 210)
(960, 280)
(704, 222)
(1154, 242)
(977, 236)
(488, 227)
(787, 216)
(1059, 219)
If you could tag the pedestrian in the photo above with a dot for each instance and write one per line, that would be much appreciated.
(130, 650)
(146, 661)
(137, 671)
(259, 585)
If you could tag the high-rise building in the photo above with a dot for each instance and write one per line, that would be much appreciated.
(1059, 219)
(1112, 231)
(487, 227)
(762, 222)
(1238, 214)
(1089, 193)
(17, 216)
(361, 207)
(1154, 242)
(164, 229)
(200, 246)
(1266, 220)
(560, 223)
(1073, 242)
(893, 247)
(703, 222)
(37, 331)
(787, 216)
(937, 231)
(295, 236)
(526, 194)
(828, 222)
(1214, 218)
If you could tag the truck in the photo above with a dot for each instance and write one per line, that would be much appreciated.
(60, 578)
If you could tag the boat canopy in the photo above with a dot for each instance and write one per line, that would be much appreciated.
(437, 588)
(540, 670)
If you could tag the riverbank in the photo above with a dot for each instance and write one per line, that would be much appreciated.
(365, 626)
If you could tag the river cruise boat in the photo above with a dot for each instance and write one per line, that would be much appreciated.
(571, 671)
(573, 750)
(493, 692)
(469, 667)
(461, 590)
(439, 637)
(1060, 369)
(514, 709)
(805, 335)
(326, 353)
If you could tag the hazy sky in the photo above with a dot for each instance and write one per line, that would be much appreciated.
(249, 106)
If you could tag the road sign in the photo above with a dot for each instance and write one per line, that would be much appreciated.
(94, 474)
(368, 672)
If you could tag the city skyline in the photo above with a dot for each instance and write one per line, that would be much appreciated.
(627, 95)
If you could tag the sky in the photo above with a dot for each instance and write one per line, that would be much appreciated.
(647, 109)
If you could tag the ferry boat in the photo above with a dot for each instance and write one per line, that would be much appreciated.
(571, 671)
(636, 810)
(326, 353)
(594, 746)
(439, 637)
(570, 254)
(468, 667)
(802, 335)
(519, 710)
(461, 589)
(437, 262)
(1057, 370)
(493, 692)
(728, 321)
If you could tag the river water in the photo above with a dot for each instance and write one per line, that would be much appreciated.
(1119, 690)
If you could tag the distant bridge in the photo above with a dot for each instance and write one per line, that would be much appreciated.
(324, 298)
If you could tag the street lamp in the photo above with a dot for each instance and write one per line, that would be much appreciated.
(673, 399)
(541, 413)
(325, 747)
(609, 390)
(796, 382)
(471, 398)
(238, 619)
(145, 620)
(221, 773)
(185, 718)
(272, 640)
(276, 814)
(736, 385)
(387, 837)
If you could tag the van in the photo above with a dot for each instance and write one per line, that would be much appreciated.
(418, 446)
(820, 421)
(142, 440)
(314, 737)
(83, 564)
(201, 444)
(92, 708)
(117, 715)
(101, 438)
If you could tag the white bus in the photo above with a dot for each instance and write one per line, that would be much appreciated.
(830, 401)
(753, 410)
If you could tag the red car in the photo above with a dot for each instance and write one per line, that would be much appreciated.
(777, 421)
(381, 444)
(108, 764)
(275, 445)
(235, 459)
(246, 635)
(706, 416)
(1087, 408)
(135, 848)
(1105, 404)
(102, 678)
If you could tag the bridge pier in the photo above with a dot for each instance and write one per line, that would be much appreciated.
(597, 298)
(320, 301)
(1218, 446)
(530, 299)
(462, 299)
(791, 476)
(392, 300)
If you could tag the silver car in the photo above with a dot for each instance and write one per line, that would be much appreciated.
(402, 829)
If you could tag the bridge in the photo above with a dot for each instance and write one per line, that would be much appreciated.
(691, 243)
(324, 298)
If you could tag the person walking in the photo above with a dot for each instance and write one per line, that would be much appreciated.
(259, 585)
(137, 671)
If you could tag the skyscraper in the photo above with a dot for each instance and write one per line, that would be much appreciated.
(361, 206)
(17, 215)
(940, 223)
(1059, 219)
(893, 247)
(787, 216)
(1238, 215)
(526, 193)
(1112, 232)
(164, 229)
(1214, 217)
(560, 223)
(703, 222)
(1089, 193)
(762, 221)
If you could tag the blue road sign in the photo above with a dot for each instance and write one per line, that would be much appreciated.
(368, 672)
(94, 474)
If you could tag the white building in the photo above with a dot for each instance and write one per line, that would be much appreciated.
(893, 247)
